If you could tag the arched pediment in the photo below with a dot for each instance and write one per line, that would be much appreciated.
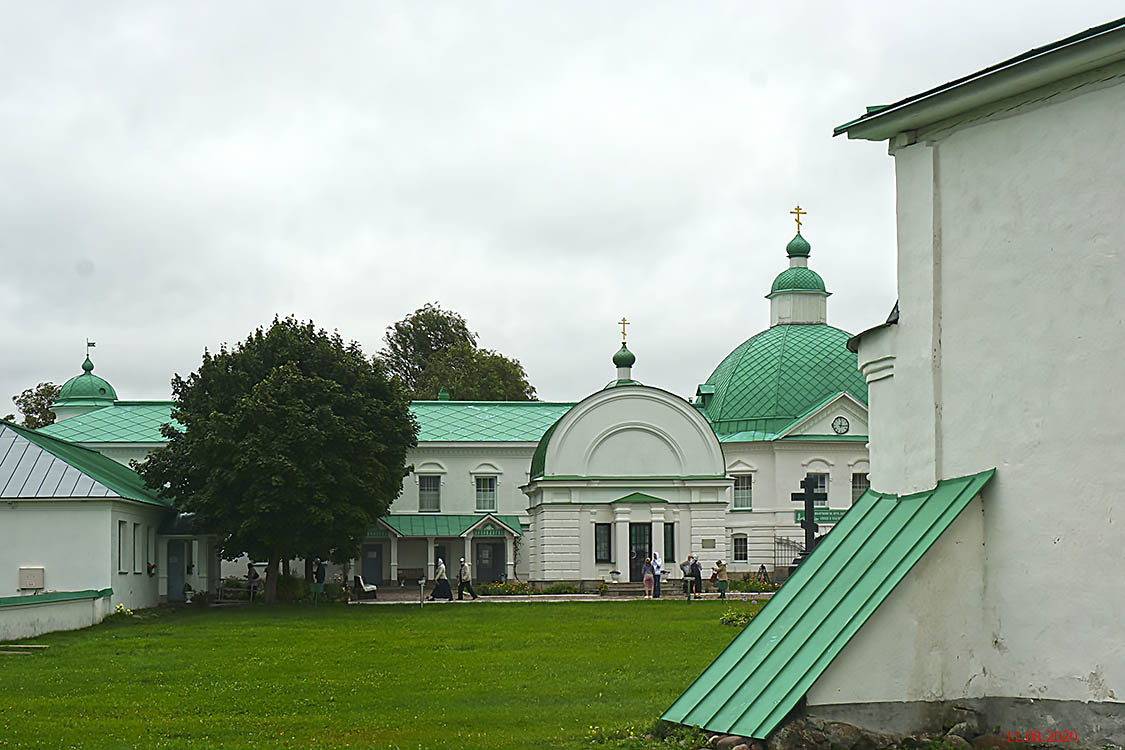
(487, 467)
(633, 431)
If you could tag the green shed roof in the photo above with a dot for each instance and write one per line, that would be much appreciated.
(66, 471)
(123, 422)
(777, 376)
(758, 679)
(444, 524)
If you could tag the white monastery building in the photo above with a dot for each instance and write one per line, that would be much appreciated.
(538, 491)
(979, 577)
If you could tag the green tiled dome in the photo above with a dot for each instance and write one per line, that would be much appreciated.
(798, 279)
(86, 389)
(798, 247)
(780, 374)
(624, 357)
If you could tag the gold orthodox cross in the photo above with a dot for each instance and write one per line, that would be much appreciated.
(623, 323)
(797, 214)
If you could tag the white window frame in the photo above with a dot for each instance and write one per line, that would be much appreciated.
(138, 548)
(477, 492)
(437, 508)
(734, 548)
(866, 484)
(822, 488)
(748, 500)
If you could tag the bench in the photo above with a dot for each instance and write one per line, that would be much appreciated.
(226, 588)
(410, 576)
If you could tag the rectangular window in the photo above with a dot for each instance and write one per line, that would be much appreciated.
(669, 542)
(821, 486)
(603, 542)
(860, 484)
(151, 557)
(741, 549)
(743, 491)
(429, 492)
(138, 548)
(486, 493)
(122, 547)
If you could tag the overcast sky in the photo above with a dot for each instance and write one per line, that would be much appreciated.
(171, 176)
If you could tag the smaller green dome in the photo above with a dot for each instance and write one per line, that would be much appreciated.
(86, 389)
(797, 280)
(798, 247)
(624, 357)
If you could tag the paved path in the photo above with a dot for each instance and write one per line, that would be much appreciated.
(397, 598)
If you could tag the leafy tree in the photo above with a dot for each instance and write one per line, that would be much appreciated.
(293, 443)
(433, 349)
(35, 405)
(411, 343)
(472, 374)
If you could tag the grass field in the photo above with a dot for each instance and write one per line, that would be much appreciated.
(480, 675)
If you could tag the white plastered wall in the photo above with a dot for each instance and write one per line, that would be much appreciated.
(1010, 279)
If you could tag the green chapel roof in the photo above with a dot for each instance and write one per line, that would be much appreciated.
(777, 376)
(123, 422)
(797, 280)
(485, 421)
(86, 389)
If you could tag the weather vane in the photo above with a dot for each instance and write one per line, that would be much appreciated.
(89, 345)
(623, 323)
(797, 214)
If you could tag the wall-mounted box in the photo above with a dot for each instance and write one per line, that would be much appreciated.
(31, 578)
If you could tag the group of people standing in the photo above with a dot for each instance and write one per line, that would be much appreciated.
(693, 577)
(441, 582)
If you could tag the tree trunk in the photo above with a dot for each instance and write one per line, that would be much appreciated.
(308, 570)
(271, 578)
(285, 567)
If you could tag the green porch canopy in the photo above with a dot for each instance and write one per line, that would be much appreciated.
(758, 679)
(446, 525)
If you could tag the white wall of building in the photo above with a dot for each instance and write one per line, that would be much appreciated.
(1008, 354)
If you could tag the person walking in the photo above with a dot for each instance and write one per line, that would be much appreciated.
(656, 572)
(647, 577)
(464, 581)
(722, 582)
(441, 583)
(696, 578)
(319, 577)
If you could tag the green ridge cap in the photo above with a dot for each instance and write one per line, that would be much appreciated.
(797, 280)
(780, 374)
(798, 247)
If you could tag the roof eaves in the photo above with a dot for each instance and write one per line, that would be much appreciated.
(1087, 50)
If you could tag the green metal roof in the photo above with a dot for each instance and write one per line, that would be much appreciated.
(624, 357)
(797, 280)
(53, 596)
(67, 471)
(86, 389)
(485, 421)
(758, 679)
(798, 247)
(444, 524)
(123, 422)
(773, 378)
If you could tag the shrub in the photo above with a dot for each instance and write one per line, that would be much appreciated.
(202, 598)
(293, 588)
(736, 618)
(561, 588)
(752, 584)
(508, 588)
(603, 588)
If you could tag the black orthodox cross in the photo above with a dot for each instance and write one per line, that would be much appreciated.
(809, 497)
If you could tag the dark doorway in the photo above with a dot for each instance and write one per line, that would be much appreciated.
(490, 562)
(176, 567)
(640, 546)
(372, 569)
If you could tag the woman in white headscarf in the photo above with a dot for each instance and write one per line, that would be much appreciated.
(441, 585)
(656, 566)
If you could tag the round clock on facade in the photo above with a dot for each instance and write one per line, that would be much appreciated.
(840, 425)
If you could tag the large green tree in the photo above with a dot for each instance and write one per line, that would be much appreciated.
(35, 405)
(471, 374)
(292, 443)
(432, 350)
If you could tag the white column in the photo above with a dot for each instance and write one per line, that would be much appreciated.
(468, 555)
(394, 558)
(509, 557)
(621, 541)
(429, 558)
(658, 533)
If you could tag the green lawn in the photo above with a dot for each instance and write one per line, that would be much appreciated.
(481, 675)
